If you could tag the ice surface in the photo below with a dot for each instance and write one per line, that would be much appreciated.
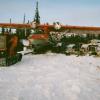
(51, 77)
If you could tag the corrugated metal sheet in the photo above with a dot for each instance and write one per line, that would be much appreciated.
(2, 42)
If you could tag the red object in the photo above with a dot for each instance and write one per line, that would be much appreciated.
(39, 36)
(46, 27)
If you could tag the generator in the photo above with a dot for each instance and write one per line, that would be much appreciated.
(8, 50)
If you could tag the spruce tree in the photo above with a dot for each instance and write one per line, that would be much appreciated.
(37, 16)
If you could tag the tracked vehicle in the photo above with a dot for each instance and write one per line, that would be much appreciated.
(8, 50)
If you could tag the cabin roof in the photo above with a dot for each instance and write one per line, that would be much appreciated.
(15, 25)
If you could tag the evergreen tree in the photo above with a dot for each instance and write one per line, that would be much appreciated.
(10, 28)
(37, 16)
(98, 36)
(28, 32)
(24, 19)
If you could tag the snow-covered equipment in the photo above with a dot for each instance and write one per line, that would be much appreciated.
(38, 41)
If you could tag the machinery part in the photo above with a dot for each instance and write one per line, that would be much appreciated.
(10, 60)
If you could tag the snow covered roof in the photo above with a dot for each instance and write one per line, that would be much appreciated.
(95, 41)
(84, 45)
(71, 45)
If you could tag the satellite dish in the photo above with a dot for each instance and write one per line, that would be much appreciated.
(57, 26)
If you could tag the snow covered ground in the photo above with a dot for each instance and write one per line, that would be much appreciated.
(51, 77)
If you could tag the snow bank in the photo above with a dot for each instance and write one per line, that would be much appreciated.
(51, 77)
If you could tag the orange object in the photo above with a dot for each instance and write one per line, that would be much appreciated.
(39, 36)
(13, 42)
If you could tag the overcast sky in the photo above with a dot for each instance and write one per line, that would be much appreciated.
(71, 12)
